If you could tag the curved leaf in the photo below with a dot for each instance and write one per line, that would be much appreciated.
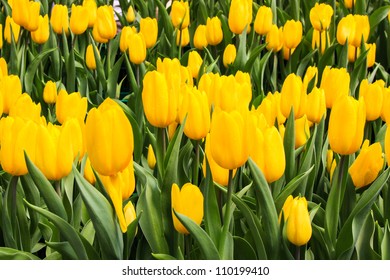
(13, 254)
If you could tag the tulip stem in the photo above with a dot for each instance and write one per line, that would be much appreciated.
(297, 252)
(58, 187)
(196, 165)
(13, 185)
(227, 216)
(180, 38)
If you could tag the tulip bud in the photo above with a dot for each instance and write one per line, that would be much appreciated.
(317, 105)
(292, 33)
(194, 63)
(373, 97)
(200, 40)
(274, 39)
(3, 67)
(214, 34)
(349, 3)
(346, 29)
(88, 172)
(387, 145)
(1, 36)
(10, 24)
(11, 88)
(183, 36)
(299, 229)
(263, 20)
(78, 20)
(385, 112)
(320, 43)
(362, 30)
(137, 48)
(151, 157)
(41, 35)
(91, 11)
(302, 131)
(109, 138)
(33, 16)
(20, 12)
(149, 28)
(286, 208)
(105, 22)
(96, 35)
(310, 78)
(59, 19)
(189, 202)
(229, 55)
(130, 15)
(70, 106)
(180, 14)
(238, 16)
(293, 96)
(346, 125)
(130, 214)
(90, 57)
(124, 40)
(26, 109)
(320, 16)
(366, 167)
(371, 54)
(335, 83)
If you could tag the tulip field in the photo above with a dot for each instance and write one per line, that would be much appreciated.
(194, 130)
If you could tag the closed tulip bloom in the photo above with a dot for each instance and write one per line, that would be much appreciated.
(180, 14)
(229, 55)
(20, 12)
(329, 160)
(130, 15)
(293, 96)
(109, 138)
(11, 88)
(286, 208)
(105, 22)
(3, 67)
(268, 109)
(316, 108)
(91, 11)
(59, 19)
(41, 35)
(366, 167)
(160, 104)
(299, 229)
(268, 153)
(335, 83)
(96, 36)
(78, 137)
(1, 36)
(320, 16)
(78, 20)
(124, 40)
(88, 172)
(187, 201)
(148, 27)
(238, 16)
(32, 23)
(349, 3)
(373, 97)
(151, 158)
(362, 30)
(292, 33)
(311, 77)
(18, 136)
(228, 139)
(200, 40)
(263, 20)
(70, 106)
(9, 23)
(353, 53)
(130, 214)
(214, 34)
(26, 109)
(346, 125)
(274, 39)
(90, 57)
(137, 48)
(195, 107)
(302, 131)
(194, 63)
(385, 112)
(346, 29)
(387, 145)
(371, 55)
(320, 43)
(184, 36)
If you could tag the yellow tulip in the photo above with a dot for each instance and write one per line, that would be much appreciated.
(151, 157)
(329, 160)
(346, 125)
(387, 145)
(180, 14)
(78, 137)
(10, 24)
(335, 83)
(353, 53)
(371, 55)
(349, 3)
(78, 20)
(195, 107)
(130, 214)
(346, 29)
(293, 96)
(184, 36)
(268, 153)
(320, 42)
(3, 67)
(124, 40)
(274, 39)
(11, 88)
(373, 97)
(148, 27)
(18, 136)
(292, 33)
(385, 112)
(70, 106)
(109, 138)
(91, 11)
(286, 208)
(26, 109)
(96, 35)
(362, 29)
(41, 35)
(311, 76)
(59, 19)
(187, 201)
(200, 39)
(90, 59)
(320, 16)
(1, 36)
(194, 63)
(20, 12)
(214, 34)
(137, 48)
(88, 172)
(299, 229)
(160, 104)
(229, 55)
(105, 22)
(366, 167)
(302, 131)
(316, 108)
(238, 15)
(268, 109)
(130, 15)
(263, 20)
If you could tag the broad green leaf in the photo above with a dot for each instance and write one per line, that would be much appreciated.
(243, 249)
(289, 146)
(13, 254)
(64, 249)
(70, 73)
(164, 257)
(385, 246)
(253, 55)
(113, 78)
(377, 16)
(363, 247)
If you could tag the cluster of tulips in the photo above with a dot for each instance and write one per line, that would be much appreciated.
(194, 130)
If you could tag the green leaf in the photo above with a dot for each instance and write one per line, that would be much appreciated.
(243, 249)
(165, 18)
(99, 66)
(377, 16)
(363, 247)
(206, 245)
(304, 62)
(385, 246)
(113, 78)
(164, 257)
(263, 63)
(253, 55)
(64, 249)
(13, 254)
(289, 146)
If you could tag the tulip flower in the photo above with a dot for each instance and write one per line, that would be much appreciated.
(160, 104)
(26, 109)
(317, 105)
(320, 42)
(274, 39)
(268, 153)
(286, 208)
(3, 67)
(78, 20)
(183, 37)
(320, 16)
(238, 15)
(90, 59)
(214, 34)
(1, 36)
(268, 110)
(373, 97)
(124, 40)
(105, 22)
(78, 144)
(109, 138)
(385, 112)
(346, 125)
(137, 48)
(180, 14)
(10, 24)
(195, 107)
(349, 3)
(293, 96)
(151, 158)
(200, 40)
(41, 35)
(88, 172)
(59, 19)
(194, 63)
(263, 20)
(187, 201)
(96, 36)
(299, 229)
(130, 15)
(70, 106)
(366, 167)
(229, 55)
(335, 83)
(11, 88)
(302, 131)
(310, 78)
(26, 13)
(18, 136)
(387, 145)
(346, 29)
(130, 214)
(292, 33)
(371, 55)
(149, 28)
(91, 11)
(362, 30)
